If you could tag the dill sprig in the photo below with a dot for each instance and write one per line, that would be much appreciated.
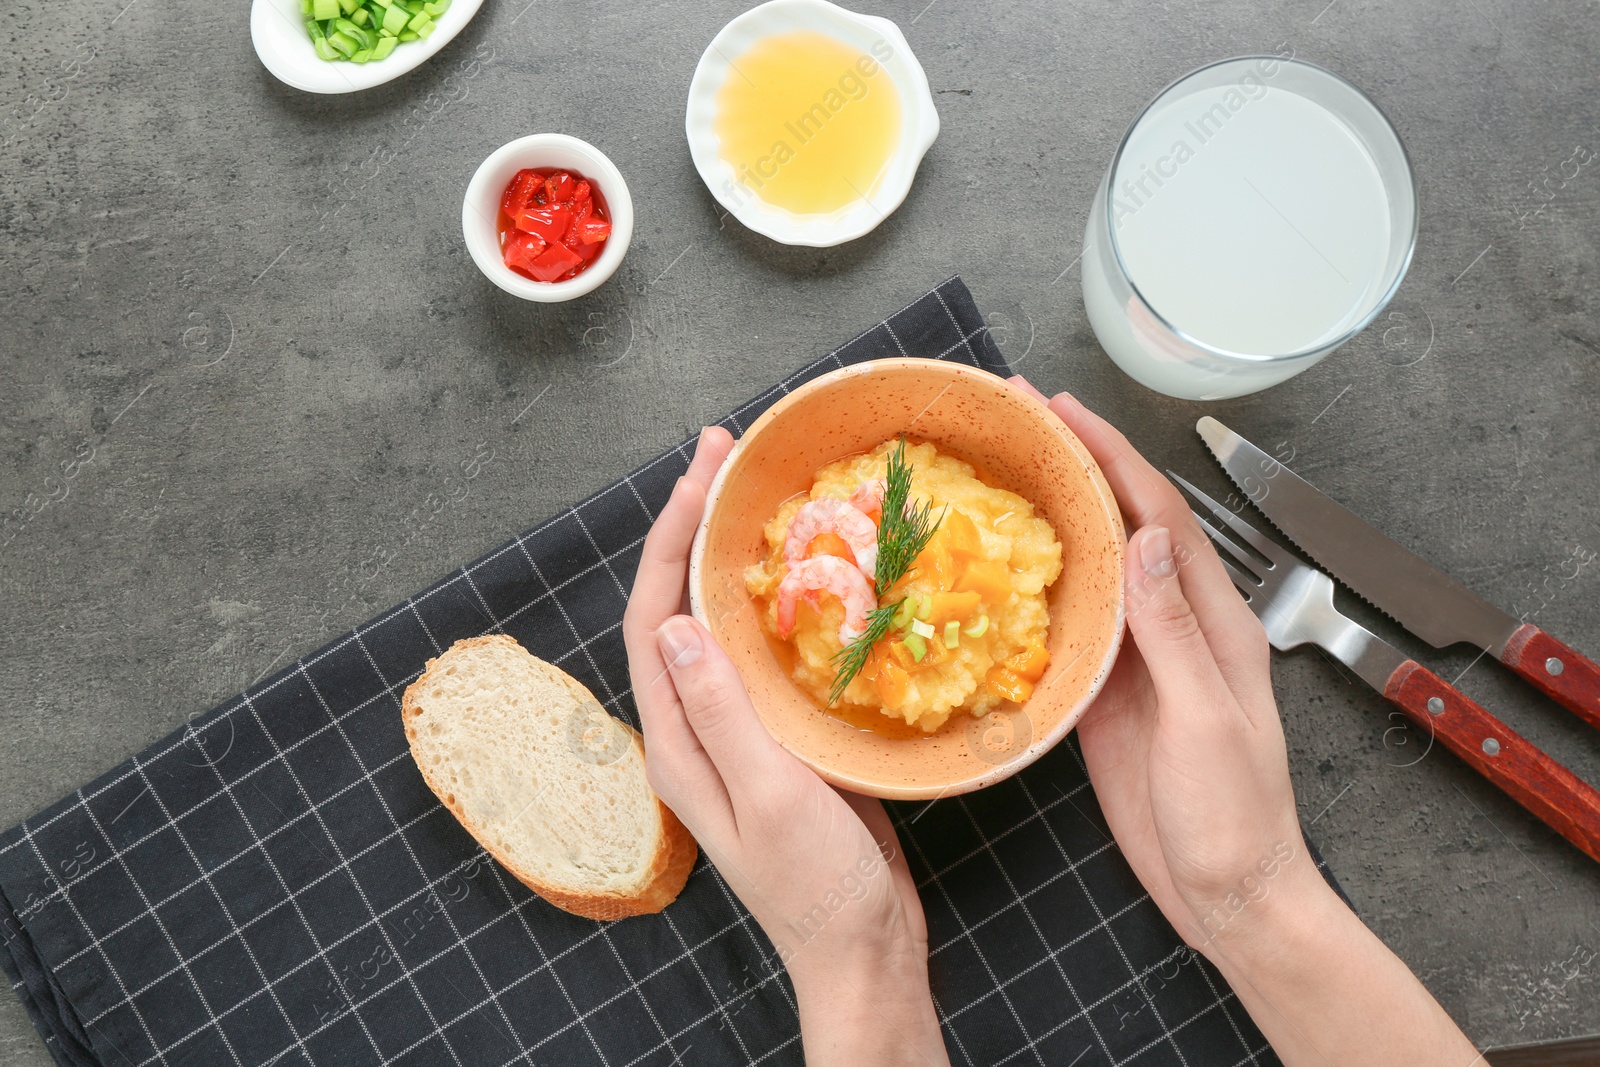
(903, 532)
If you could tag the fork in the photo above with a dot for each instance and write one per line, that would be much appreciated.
(1294, 602)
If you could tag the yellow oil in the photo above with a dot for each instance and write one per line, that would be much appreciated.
(807, 122)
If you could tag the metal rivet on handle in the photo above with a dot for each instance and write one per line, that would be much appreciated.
(1491, 746)
(1554, 666)
(1435, 705)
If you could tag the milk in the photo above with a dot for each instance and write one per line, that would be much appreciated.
(1252, 220)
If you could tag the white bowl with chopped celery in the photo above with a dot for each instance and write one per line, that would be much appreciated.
(340, 46)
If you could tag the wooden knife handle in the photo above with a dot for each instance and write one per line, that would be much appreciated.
(1568, 804)
(1566, 676)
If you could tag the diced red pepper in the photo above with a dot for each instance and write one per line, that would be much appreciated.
(593, 231)
(557, 260)
(519, 192)
(522, 250)
(554, 224)
(581, 209)
(558, 188)
(550, 223)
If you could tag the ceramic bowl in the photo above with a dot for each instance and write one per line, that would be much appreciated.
(278, 31)
(877, 37)
(480, 212)
(1018, 445)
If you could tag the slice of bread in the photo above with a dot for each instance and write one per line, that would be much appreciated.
(549, 784)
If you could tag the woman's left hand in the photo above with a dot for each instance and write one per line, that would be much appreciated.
(820, 869)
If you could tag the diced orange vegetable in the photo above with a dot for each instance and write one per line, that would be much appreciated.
(891, 680)
(989, 578)
(962, 535)
(902, 655)
(933, 564)
(830, 544)
(952, 607)
(1008, 684)
(1030, 662)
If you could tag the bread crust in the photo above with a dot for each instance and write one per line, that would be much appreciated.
(676, 849)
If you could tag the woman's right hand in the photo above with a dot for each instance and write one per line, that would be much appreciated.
(1187, 755)
(1184, 744)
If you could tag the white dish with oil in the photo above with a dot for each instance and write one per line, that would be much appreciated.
(883, 53)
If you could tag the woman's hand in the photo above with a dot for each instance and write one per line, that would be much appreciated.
(820, 869)
(1184, 744)
(1187, 756)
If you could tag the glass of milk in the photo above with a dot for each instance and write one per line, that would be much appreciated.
(1259, 213)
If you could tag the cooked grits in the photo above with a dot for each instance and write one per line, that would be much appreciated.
(986, 569)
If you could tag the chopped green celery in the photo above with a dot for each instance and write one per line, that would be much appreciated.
(916, 646)
(314, 28)
(324, 50)
(385, 35)
(979, 628)
(427, 31)
(364, 38)
(343, 43)
(952, 634)
(407, 35)
(324, 9)
(305, 8)
(419, 20)
(382, 3)
(903, 613)
(361, 17)
(361, 56)
(925, 608)
(349, 6)
(395, 19)
(434, 10)
(922, 629)
(385, 46)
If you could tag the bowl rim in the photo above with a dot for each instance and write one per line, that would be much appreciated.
(919, 127)
(480, 208)
(1108, 503)
(311, 74)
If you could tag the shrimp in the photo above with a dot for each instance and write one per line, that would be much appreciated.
(868, 496)
(826, 574)
(836, 517)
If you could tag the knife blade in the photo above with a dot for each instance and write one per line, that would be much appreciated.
(1415, 593)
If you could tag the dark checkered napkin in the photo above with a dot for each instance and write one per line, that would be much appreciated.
(275, 883)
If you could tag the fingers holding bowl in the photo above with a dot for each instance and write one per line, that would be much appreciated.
(1147, 498)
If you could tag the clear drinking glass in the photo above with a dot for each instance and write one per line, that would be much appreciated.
(1258, 214)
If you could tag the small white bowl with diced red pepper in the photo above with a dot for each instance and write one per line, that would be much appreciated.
(547, 217)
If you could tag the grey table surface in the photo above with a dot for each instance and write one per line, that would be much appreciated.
(248, 315)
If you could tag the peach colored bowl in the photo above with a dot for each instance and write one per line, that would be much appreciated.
(1017, 444)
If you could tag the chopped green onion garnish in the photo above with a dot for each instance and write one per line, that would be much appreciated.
(904, 613)
(921, 629)
(917, 647)
(356, 30)
(952, 634)
(925, 608)
(979, 628)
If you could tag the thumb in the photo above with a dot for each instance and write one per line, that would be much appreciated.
(718, 708)
(1164, 626)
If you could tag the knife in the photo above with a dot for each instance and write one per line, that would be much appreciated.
(1418, 595)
